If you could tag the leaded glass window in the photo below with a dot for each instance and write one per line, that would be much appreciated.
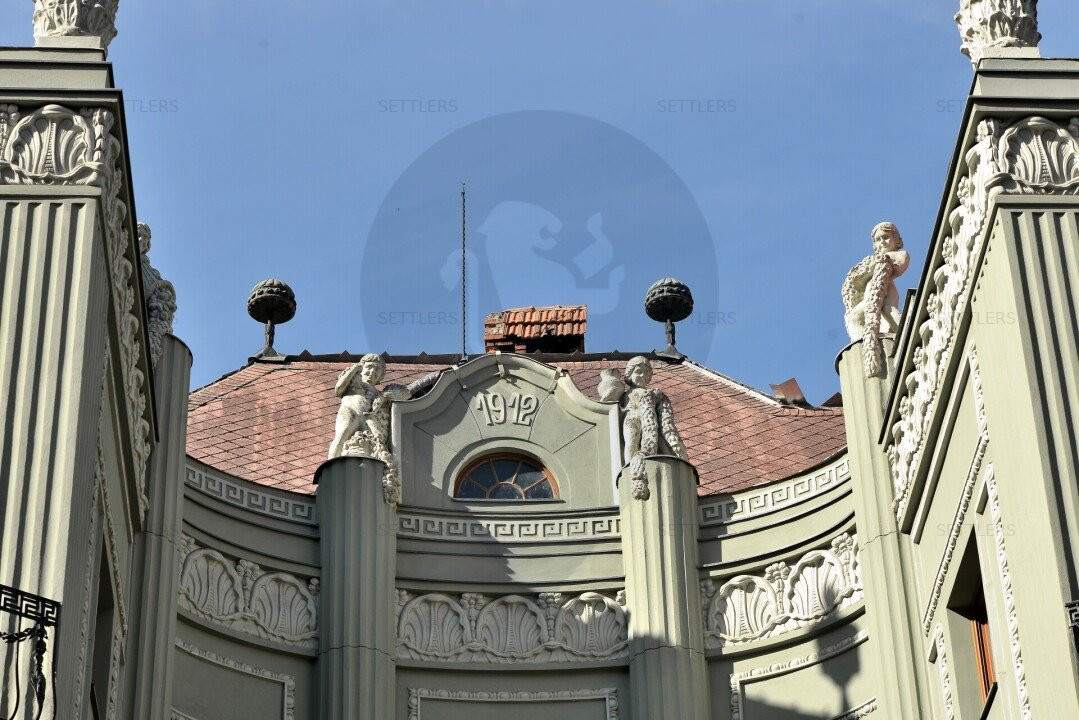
(505, 477)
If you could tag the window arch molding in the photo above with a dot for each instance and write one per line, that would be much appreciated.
(507, 475)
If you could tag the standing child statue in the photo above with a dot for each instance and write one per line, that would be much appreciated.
(363, 420)
(647, 420)
(870, 297)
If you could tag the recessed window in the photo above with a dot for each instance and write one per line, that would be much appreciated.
(505, 477)
(983, 651)
(975, 674)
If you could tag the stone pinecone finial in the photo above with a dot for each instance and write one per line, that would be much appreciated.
(990, 25)
(75, 18)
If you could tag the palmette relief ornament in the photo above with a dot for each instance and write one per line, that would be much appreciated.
(75, 18)
(160, 298)
(870, 297)
(986, 25)
(647, 420)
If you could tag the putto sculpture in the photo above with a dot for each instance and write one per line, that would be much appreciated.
(160, 297)
(362, 428)
(986, 25)
(647, 419)
(870, 297)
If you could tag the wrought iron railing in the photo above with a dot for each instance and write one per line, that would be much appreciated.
(44, 614)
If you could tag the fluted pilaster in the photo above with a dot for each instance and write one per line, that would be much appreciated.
(157, 561)
(358, 544)
(666, 632)
(885, 553)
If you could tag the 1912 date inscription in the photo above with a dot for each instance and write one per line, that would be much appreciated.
(514, 408)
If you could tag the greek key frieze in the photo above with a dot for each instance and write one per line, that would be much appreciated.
(232, 492)
(761, 501)
(472, 529)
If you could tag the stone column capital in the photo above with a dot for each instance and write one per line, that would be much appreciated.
(991, 26)
(91, 22)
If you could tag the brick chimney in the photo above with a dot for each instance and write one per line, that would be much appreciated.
(558, 329)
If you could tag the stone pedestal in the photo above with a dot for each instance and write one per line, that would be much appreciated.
(156, 558)
(357, 637)
(668, 676)
(885, 553)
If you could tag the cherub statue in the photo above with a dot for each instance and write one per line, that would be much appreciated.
(160, 298)
(870, 296)
(362, 428)
(363, 420)
(647, 420)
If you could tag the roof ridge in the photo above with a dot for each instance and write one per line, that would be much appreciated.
(731, 382)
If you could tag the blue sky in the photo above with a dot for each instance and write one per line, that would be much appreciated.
(747, 148)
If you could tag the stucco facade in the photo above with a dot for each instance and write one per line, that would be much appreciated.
(209, 563)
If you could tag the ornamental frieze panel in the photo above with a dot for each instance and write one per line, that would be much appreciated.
(1035, 155)
(548, 627)
(785, 597)
(240, 596)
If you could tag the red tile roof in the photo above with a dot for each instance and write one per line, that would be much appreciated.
(272, 423)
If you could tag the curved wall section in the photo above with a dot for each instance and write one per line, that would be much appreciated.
(249, 592)
(510, 608)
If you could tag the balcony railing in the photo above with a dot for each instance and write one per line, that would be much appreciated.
(44, 614)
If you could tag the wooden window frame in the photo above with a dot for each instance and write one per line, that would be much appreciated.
(983, 646)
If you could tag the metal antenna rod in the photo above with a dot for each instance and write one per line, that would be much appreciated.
(464, 294)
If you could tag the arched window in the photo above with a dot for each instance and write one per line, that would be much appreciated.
(505, 477)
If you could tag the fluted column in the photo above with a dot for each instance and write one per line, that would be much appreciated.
(358, 545)
(154, 597)
(666, 630)
(885, 553)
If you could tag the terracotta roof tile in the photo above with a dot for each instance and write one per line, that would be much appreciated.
(272, 423)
